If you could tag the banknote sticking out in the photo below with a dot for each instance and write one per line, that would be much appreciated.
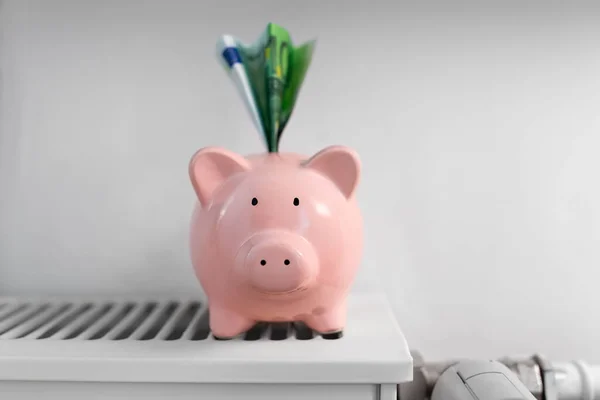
(268, 75)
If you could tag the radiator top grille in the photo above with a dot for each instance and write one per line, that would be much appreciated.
(169, 320)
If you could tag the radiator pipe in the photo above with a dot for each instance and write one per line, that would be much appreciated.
(546, 380)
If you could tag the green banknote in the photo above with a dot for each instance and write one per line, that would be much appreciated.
(275, 71)
(299, 63)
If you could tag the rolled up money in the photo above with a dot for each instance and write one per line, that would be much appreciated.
(268, 75)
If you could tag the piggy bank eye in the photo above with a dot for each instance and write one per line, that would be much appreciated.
(254, 201)
(296, 201)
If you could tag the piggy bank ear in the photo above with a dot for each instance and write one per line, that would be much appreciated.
(340, 164)
(212, 166)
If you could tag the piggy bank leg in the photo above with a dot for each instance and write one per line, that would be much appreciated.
(329, 323)
(226, 324)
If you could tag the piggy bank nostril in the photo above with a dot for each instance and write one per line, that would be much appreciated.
(263, 262)
(286, 262)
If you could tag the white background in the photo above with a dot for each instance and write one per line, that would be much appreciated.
(477, 124)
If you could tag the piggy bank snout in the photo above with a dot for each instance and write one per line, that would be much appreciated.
(280, 264)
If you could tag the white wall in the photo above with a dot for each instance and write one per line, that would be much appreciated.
(478, 126)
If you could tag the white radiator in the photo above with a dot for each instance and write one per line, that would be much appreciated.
(116, 349)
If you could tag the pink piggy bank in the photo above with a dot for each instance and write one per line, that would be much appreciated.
(276, 237)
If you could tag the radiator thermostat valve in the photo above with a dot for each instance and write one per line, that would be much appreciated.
(479, 380)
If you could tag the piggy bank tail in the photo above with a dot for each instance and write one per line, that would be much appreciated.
(268, 75)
